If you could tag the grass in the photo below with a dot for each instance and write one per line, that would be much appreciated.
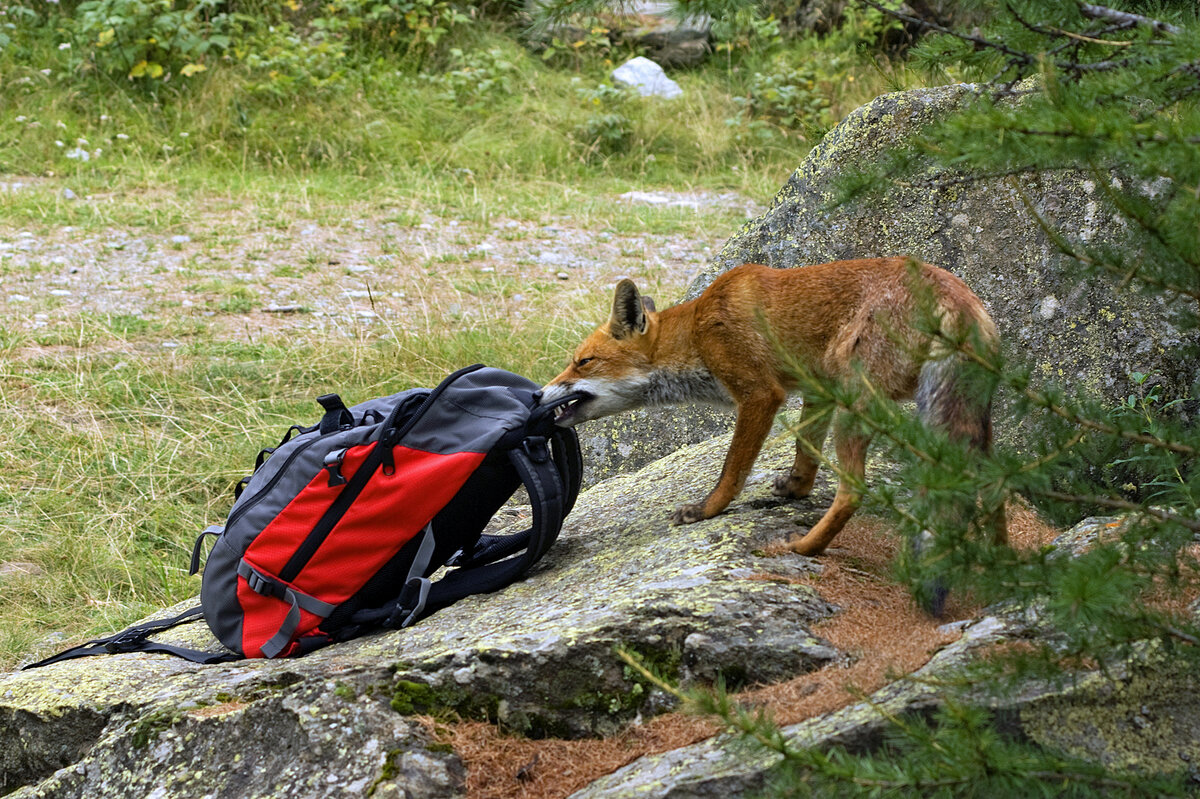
(130, 405)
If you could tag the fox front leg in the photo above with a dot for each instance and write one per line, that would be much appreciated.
(755, 416)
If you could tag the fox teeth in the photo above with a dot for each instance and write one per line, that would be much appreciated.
(561, 410)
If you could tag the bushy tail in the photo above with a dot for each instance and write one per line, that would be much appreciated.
(956, 399)
(951, 400)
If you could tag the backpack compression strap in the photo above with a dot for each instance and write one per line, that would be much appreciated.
(569, 461)
(547, 497)
(538, 471)
(134, 639)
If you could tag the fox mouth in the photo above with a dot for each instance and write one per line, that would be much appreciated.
(568, 414)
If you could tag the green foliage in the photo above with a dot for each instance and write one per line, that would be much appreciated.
(283, 61)
(743, 28)
(958, 754)
(578, 43)
(412, 27)
(149, 40)
(1119, 102)
(608, 130)
(791, 96)
(476, 77)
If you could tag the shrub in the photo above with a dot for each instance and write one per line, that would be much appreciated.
(149, 40)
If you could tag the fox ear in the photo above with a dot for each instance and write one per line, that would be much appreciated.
(628, 315)
(648, 304)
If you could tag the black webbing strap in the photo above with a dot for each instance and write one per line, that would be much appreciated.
(569, 461)
(337, 415)
(134, 639)
(215, 531)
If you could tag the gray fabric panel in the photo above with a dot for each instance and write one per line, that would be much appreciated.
(307, 456)
(218, 594)
(473, 413)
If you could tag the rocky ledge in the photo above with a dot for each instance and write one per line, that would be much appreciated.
(537, 657)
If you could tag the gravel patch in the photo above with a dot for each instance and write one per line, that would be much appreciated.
(245, 278)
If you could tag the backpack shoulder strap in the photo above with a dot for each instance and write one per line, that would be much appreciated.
(135, 639)
(568, 460)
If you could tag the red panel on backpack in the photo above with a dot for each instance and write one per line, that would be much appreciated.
(277, 542)
(390, 510)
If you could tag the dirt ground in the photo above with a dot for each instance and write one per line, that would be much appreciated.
(855, 578)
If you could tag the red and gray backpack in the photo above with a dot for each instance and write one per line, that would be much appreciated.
(340, 528)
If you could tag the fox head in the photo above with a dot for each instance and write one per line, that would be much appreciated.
(612, 366)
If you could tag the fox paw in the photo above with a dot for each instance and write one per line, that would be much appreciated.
(688, 514)
(790, 487)
(776, 548)
(790, 546)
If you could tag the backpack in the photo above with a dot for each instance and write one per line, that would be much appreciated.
(341, 526)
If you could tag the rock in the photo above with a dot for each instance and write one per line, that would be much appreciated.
(537, 656)
(647, 77)
(652, 26)
(1087, 335)
(18, 568)
(649, 26)
(818, 16)
(728, 766)
(627, 442)
(307, 743)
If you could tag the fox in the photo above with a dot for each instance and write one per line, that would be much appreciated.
(850, 322)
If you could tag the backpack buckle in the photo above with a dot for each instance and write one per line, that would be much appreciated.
(128, 641)
(536, 448)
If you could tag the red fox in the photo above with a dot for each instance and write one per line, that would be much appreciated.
(839, 320)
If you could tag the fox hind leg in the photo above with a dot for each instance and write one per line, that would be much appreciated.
(810, 437)
(851, 444)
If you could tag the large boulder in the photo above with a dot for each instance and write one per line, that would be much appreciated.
(1084, 334)
(537, 657)
(629, 441)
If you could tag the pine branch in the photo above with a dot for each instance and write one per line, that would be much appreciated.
(1067, 249)
(1016, 57)
(1119, 504)
(978, 41)
(1180, 635)
(1050, 457)
(1044, 402)
(1112, 15)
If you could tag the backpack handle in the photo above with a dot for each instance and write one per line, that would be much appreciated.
(539, 414)
(391, 431)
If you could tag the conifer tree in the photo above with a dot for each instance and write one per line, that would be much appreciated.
(1065, 87)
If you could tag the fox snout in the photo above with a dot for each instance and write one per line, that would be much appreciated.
(569, 413)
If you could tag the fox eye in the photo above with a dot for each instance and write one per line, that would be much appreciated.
(583, 361)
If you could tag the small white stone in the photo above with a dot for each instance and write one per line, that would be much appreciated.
(647, 77)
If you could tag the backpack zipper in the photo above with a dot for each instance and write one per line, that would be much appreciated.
(254, 500)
